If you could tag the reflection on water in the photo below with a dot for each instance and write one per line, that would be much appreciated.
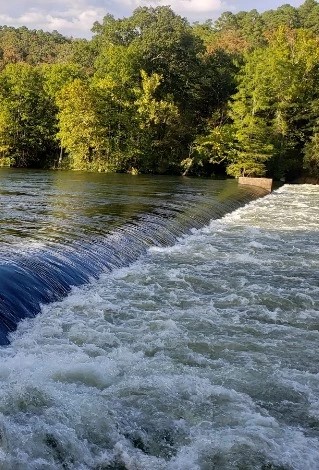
(54, 205)
(63, 206)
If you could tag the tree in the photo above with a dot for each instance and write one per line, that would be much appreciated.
(210, 152)
(31, 46)
(309, 15)
(158, 140)
(82, 53)
(285, 15)
(122, 63)
(118, 117)
(226, 21)
(56, 76)
(272, 109)
(205, 31)
(27, 117)
(162, 44)
(230, 41)
(80, 132)
(252, 26)
(155, 40)
(311, 160)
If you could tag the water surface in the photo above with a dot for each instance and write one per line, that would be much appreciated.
(199, 355)
(60, 229)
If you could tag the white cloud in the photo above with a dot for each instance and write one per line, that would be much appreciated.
(79, 23)
(192, 9)
(191, 6)
(76, 17)
(71, 20)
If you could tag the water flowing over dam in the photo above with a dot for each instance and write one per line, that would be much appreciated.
(175, 332)
(44, 255)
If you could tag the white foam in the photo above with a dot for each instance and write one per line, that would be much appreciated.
(203, 355)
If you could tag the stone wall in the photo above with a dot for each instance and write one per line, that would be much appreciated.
(265, 183)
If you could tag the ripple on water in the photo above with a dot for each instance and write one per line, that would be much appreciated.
(203, 355)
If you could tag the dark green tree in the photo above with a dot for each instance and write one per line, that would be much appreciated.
(272, 112)
(27, 117)
(285, 15)
(311, 160)
(309, 15)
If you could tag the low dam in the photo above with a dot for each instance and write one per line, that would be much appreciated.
(157, 323)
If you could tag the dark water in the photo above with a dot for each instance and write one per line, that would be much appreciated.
(59, 229)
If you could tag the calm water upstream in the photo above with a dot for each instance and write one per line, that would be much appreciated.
(189, 339)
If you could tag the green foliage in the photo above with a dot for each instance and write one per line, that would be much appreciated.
(152, 93)
(271, 111)
(309, 15)
(30, 46)
(251, 154)
(117, 116)
(119, 62)
(80, 132)
(27, 122)
(286, 16)
(174, 56)
(214, 148)
(158, 122)
(311, 160)
(58, 75)
(80, 52)
(205, 31)
(165, 47)
(155, 40)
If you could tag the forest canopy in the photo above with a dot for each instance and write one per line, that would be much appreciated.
(152, 93)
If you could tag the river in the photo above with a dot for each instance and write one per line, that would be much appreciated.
(188, 342)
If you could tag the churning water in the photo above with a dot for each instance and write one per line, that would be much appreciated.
(197, 355)
(59, 230)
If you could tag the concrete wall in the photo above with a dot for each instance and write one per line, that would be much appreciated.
(265, 183)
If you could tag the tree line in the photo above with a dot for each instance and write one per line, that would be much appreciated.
(152, 93)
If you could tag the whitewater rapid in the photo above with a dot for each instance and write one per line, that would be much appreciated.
(199, 356)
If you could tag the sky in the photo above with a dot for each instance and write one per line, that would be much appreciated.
(76, 17)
